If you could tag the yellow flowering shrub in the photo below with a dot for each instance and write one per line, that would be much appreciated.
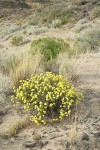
(49, 97)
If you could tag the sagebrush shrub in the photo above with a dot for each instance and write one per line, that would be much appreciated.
(49, 97)
(49, 47)
(88, 41)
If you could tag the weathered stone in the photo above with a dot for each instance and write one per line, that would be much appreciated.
(97, 134)
(12, 140)
(37, 137)
(67, 145)
(3, 112)
(85, 137)
(30, 144)
(53, 136)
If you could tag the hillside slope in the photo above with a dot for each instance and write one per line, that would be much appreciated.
(78, 24)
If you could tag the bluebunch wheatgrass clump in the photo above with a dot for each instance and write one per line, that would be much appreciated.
(49, 96)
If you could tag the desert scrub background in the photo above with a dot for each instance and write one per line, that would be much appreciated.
(88, 40)
(51, 12)
(49, 97)
(67, 11)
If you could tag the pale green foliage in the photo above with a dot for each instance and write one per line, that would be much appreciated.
(50, 97)
(89, 40)
(49, 47)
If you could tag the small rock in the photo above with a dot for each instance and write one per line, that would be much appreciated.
(97, 134)
(33, 149)
(40, 144)
(12, 140)
(53, 136)
(44, 132)
(37, 137)
(85, 137)
(45, 143)
(30, 144)
(67, 145)
(2, 112)
(66, 127)
(0, 119)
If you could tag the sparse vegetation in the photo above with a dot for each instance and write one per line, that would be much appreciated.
(41, 62)
(23, 66)
(88, 41)
(17, 40)
(50, 13)
(56, 23)
(15, 128)
(96, 11)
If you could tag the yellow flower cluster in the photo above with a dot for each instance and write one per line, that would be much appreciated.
(49, 96)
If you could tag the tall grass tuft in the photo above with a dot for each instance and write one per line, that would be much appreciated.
(23, 67)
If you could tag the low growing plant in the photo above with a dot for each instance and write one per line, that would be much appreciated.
(17, 40)
(49, 97)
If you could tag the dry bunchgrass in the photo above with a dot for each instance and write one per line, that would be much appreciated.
(74, 135)
(67, 66)
(25, 67)
(70, 66)
(16, 128)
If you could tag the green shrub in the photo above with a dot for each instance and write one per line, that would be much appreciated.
(49, 47)
(50, 97)
(17, 40)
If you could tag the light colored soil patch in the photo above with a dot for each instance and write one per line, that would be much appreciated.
(9, 120)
